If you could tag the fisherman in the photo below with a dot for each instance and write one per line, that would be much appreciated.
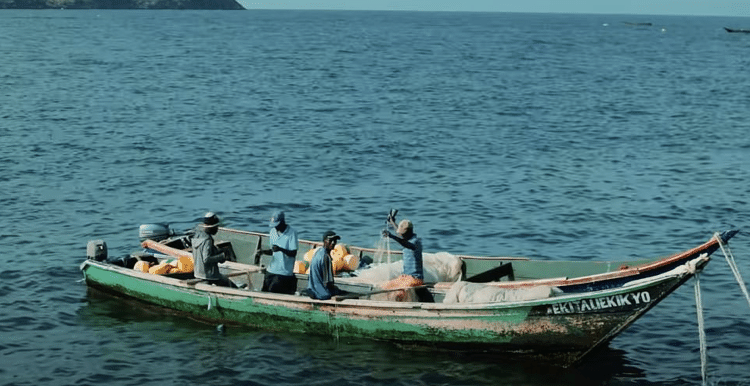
(321, 283)
(280, 277)
(205, 253)
(413, 273)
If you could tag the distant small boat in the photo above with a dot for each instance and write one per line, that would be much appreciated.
(735, 30)
(638, 24)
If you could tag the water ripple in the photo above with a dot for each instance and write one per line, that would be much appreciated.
(546, 136)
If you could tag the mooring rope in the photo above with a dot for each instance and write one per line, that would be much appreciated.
(701, 328)
(699, 302)
(733, 266)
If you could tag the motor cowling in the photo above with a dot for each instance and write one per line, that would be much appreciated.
(96, 250)
(156, 232)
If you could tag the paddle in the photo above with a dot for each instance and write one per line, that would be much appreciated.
(339, 298)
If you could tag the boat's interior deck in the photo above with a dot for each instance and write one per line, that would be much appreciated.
(242, 246)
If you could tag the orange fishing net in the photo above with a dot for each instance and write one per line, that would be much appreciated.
(401, 282)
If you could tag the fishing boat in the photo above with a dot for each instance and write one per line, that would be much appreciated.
(737, 30)
(554, 310)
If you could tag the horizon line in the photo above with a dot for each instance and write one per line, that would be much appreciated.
(265, 8)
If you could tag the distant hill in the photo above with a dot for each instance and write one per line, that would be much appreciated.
(120, 4)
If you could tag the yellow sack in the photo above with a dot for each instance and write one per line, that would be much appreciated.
(160, 269)
(142, 266)
(309, 254)
(338, 264)
(300, 266)
(339, 251)
(185, 264)
(351, 262)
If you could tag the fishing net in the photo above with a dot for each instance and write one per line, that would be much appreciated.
(383, 252)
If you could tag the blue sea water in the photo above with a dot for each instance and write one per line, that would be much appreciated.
(556, 137)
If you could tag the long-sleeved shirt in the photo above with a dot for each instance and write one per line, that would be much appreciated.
(412, 259)
(206, 256)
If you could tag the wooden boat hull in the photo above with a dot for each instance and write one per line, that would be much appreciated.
(563, 328)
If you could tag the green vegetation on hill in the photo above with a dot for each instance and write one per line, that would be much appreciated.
(120, 4)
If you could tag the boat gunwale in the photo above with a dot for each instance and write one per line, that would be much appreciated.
(650, 265)
(240, 294)
(640, 269)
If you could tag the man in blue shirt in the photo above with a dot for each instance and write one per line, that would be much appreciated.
(320, 284)
(412, 245)
(413, 271)
(280, 277)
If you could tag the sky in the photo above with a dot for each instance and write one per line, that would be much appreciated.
(633, 7)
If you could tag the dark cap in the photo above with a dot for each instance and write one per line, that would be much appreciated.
(276, 219)
(330, 235)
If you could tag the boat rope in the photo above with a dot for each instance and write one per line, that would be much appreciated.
(733, 266)
(699, 302)
(701, 327)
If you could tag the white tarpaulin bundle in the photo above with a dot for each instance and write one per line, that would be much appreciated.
(465, 292)
(438, 267)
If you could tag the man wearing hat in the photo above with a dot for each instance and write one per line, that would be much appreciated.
(206, 255)
(413, 271)
(280, 276)
(320, 284)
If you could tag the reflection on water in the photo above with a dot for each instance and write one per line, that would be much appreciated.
(350, 360)
(538, 135)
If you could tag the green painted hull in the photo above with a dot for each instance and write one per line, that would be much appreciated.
(565, 327)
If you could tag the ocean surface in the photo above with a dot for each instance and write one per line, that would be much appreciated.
(557, 137)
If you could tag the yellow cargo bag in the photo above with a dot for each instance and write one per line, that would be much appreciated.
(185, 264)
(301, 266)
(351, 262)
(339, 251)
(338, 264)
(142, 266)
(309, 254)
(160, 269)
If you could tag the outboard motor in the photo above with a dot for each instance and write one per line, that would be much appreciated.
(96, 250)
(156, 232)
